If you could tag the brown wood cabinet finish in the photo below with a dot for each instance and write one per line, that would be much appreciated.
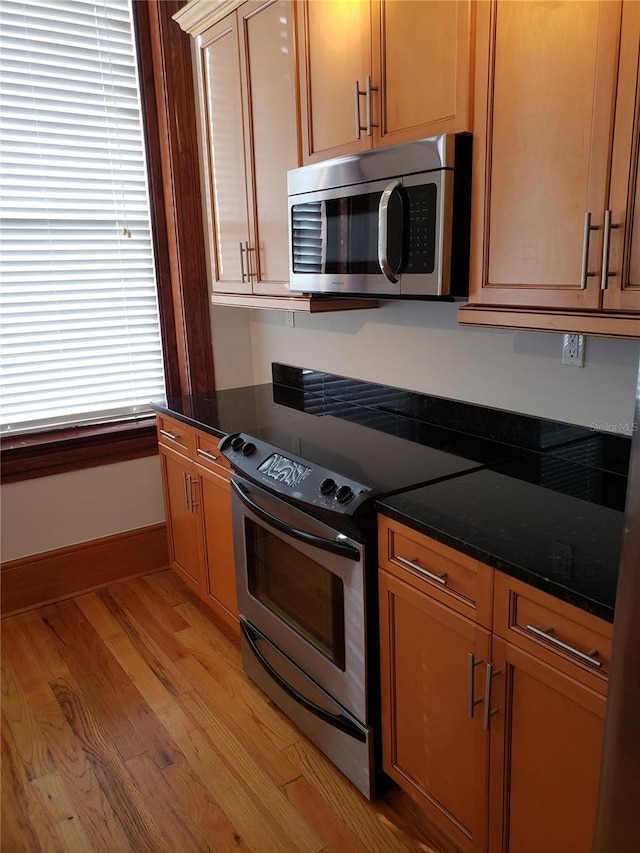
(183, 519)
(198, 509)
(431, 747)
(518, 771)
(249, 117)
(416, 57)
(555, 116)
(546, 743)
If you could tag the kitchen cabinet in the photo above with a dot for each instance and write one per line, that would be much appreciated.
(493, 697)
(433, 652)
(244, 66)
(248, 103)
(382, 72)
(555, 167)
(196, 485)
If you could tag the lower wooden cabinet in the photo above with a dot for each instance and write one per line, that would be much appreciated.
(434, 744)
(183, 519)
(197, 499)
(546, 743)
(495, 729)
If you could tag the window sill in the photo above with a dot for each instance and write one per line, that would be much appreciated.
(42, 454)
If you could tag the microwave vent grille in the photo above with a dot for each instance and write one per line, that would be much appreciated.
(308, 238)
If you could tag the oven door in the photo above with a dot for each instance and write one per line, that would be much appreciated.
(301, 583)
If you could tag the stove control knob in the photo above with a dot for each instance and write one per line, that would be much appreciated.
(237, 443)
(327, 486)
(249, 448)
(344, 495)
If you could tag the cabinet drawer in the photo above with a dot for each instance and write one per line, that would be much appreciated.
(175, 434)
(459, 581)
(208, 455)
(565, 636)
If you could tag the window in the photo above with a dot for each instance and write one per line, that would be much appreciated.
(80, 340)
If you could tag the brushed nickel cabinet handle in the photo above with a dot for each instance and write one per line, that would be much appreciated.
(588, 228)
(488, 710)
(356, 103)
(606, 245)
(186, 489)
(414, 564)
(170, 435)
(471, 701)
(368, 90)
(248, 249)
(590, 657)
(206, 455)
(242, 272)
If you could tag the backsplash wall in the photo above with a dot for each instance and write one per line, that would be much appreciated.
(419, 346)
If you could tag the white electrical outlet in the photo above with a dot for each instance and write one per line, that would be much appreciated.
(290, 319)
(573, 350)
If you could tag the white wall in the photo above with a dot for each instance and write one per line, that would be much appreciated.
(52, 512)
(418, 345)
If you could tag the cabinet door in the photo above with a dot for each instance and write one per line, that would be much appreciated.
(268, 69)
(335, 52)
(421, 62)
(218, 540)
(546, 743)
(183, 520)
(623, 282)
(224, 133)
(431, 747)
(546, 75)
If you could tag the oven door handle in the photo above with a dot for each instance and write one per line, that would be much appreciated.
(338, 721)
(335, 547)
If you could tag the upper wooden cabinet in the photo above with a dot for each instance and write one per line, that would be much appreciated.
(379, 72)
(556, 134)
(250, 126)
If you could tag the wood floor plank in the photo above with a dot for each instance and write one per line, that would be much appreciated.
(135, 607)
(23, 819)
(99, 820)
(118, 707)
(169, 587)
(336, 835)
(246, 812)
(107, 764)
(64, 819)
(182, 833)
(155, 678)
(346, 801)
(29, 668)
(198, 802)
(23, 734)
(161, 610)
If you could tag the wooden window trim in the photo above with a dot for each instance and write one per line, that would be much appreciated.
(168, 107)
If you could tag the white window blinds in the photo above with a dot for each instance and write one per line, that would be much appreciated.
(79, 331)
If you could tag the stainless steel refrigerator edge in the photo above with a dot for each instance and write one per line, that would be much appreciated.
(618, 819)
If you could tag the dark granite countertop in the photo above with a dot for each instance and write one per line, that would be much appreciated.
(538, 499)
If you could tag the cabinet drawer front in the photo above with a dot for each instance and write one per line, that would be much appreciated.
(176, 435)
(456, 580)
(565, 636)
(208, 455)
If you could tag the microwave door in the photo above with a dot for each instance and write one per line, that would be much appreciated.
(335, 240)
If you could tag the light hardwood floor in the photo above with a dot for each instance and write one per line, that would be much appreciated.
(128, 725)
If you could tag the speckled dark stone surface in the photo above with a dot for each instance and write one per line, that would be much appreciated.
(538, 499)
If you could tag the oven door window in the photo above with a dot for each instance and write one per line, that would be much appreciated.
(300, 591)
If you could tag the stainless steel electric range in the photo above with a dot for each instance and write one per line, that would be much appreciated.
(303, 499)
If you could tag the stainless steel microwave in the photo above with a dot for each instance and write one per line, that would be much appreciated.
(391, 222)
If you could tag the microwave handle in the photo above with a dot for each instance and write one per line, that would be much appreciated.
(383, 230)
